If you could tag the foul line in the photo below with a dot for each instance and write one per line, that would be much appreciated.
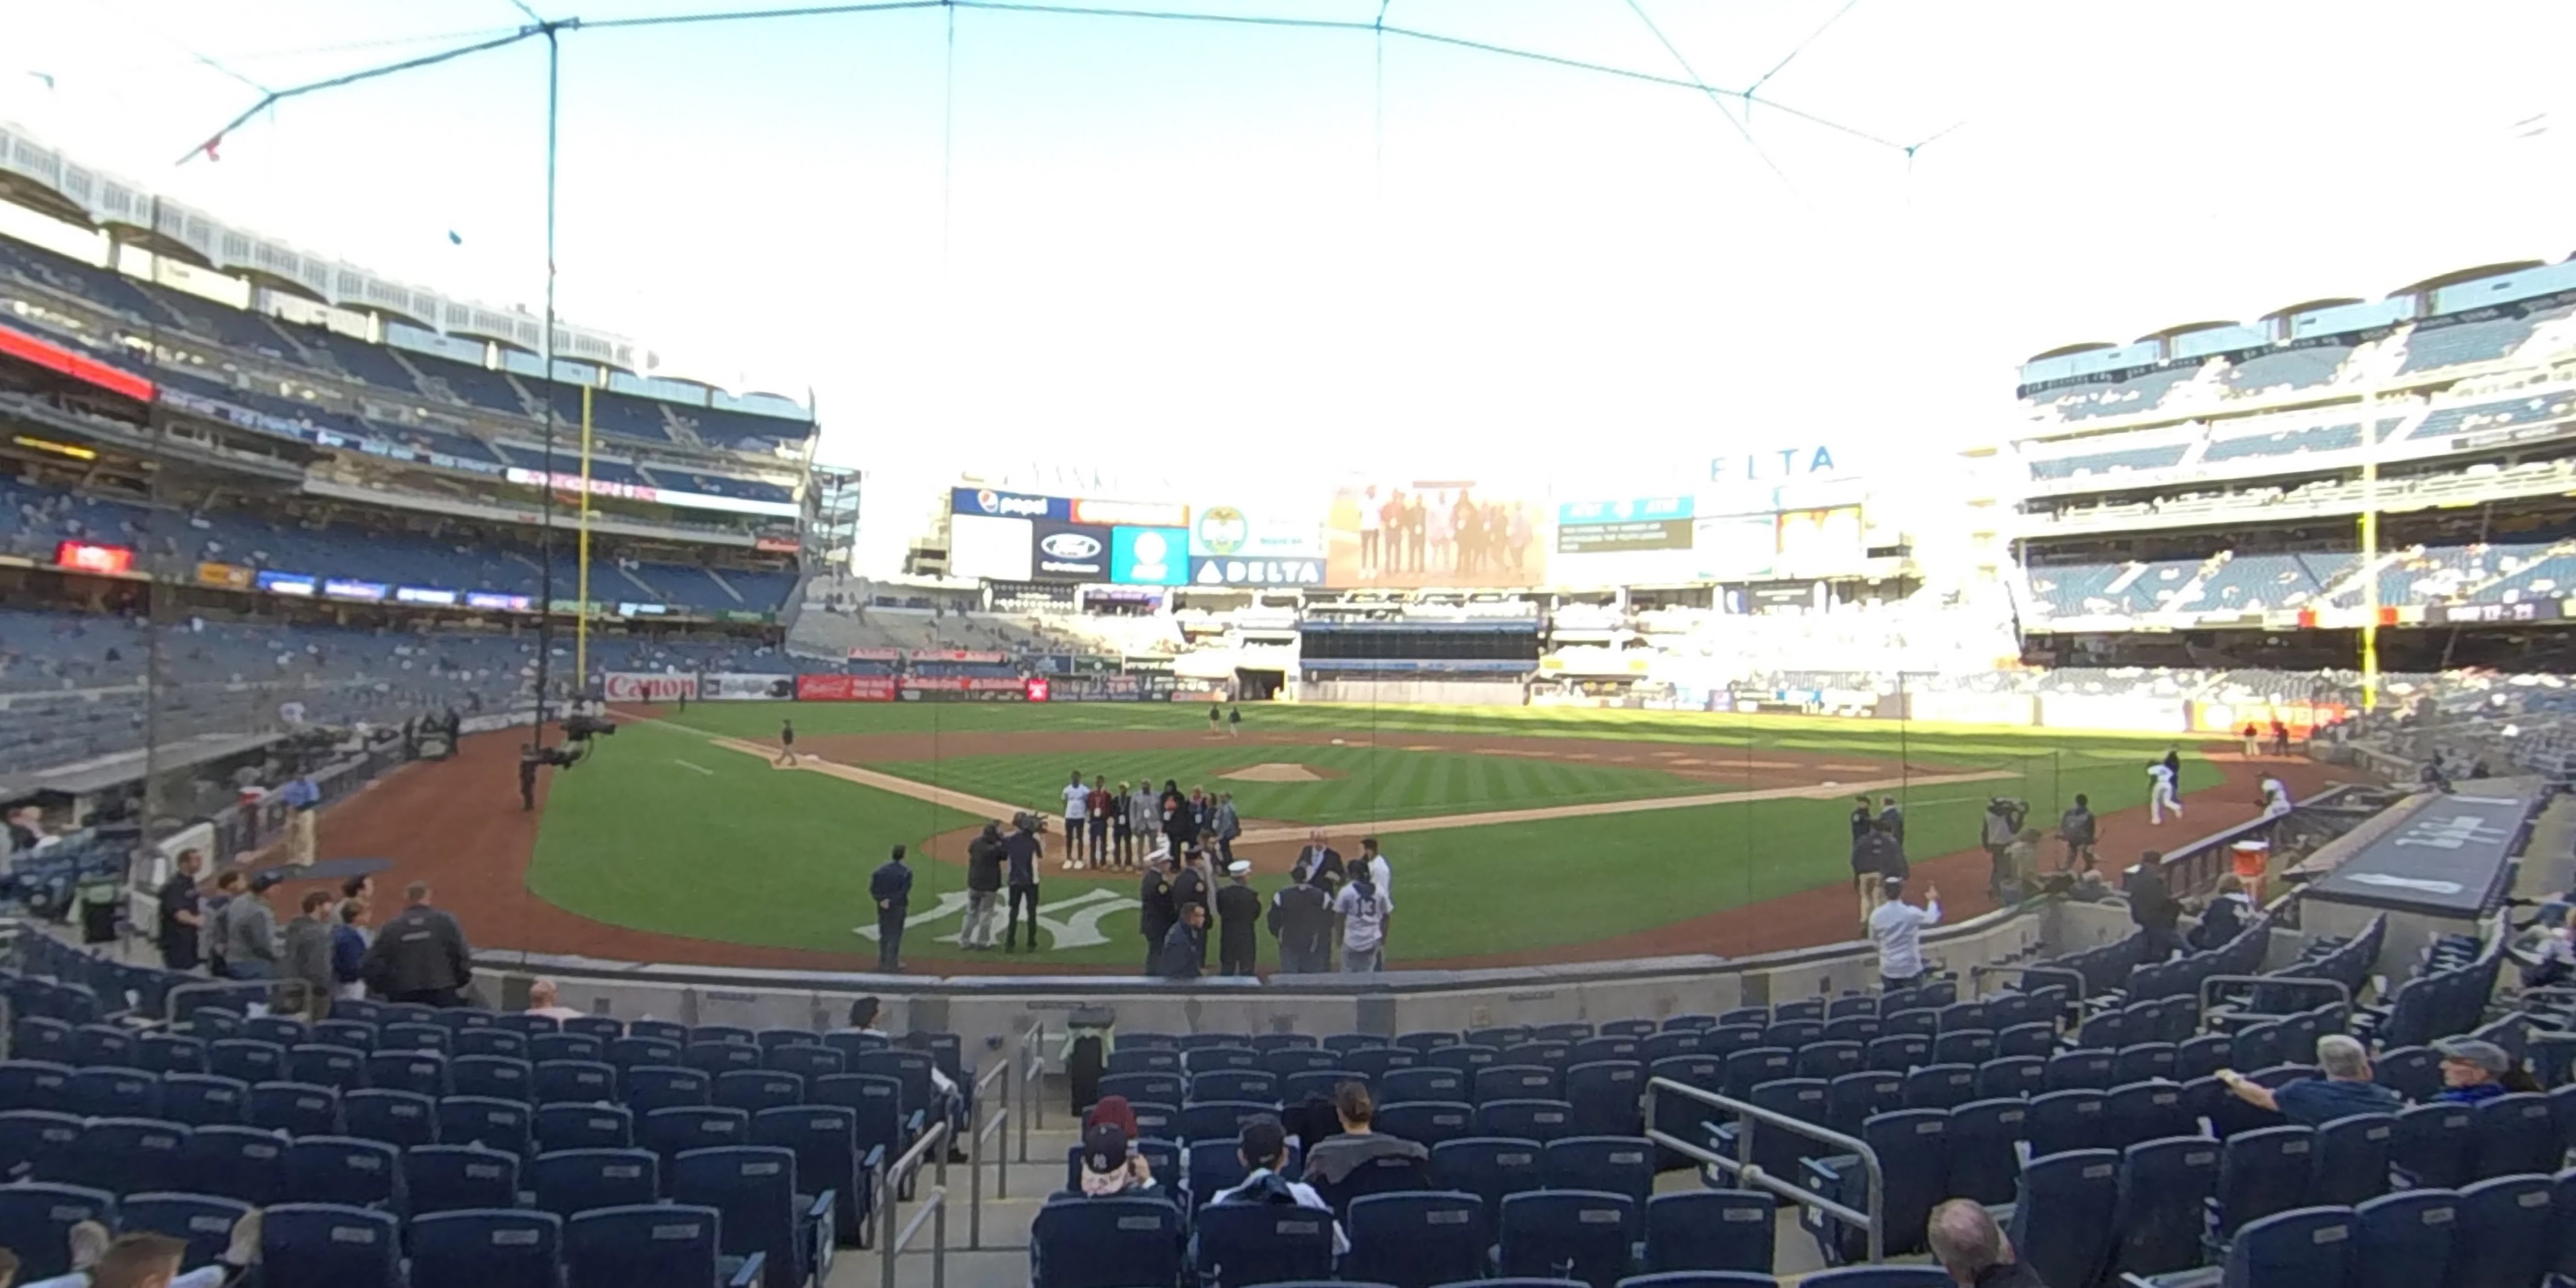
(691, 764)
(1263, 835)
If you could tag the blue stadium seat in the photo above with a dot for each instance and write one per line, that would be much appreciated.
(1233, 1084)
(169, 1053)
(2061, 1221)
(1160, 1088)
(1709, 1230)
(1964, 1046)
(1283, 1063)
(2084, 1068)
(807, 1062)
(2516, 1136)
(754, 1189)
(43, 1039)
(1427, 1083)
(2010, 1075)
(2506, 1233)
(1515, 1082)
(1914, 1156)
(1879, 1277)
(1316, 1085)
(1417, 1240)
(339, 1068)
(2164, 1189)
(2062, 1120)
(581, 1081)
(204, 1221)
(296, 1108)
(2261, 1173)
(1612, 1047)
(1610, 1164)
(1940, 1086)
(1853, 1097)
(652, 1087)
(673, 1132)
(1827, 1060)
(505, 1125)
(566, 1182)
(2301, 1248)
(1265, 1043)
(1750, 1068)
(1240, 1244)
(329, 1243)
(1466, 1057)
(576, 1046)
(398, 1118)
(753, 1090)
(2143, 1062)
(342, 1169)
(2351, 1161)
(2144, 1111)
(422, 1073)
(487, 1249)
(824, 1139)
(631, 1053)
(36, 1222)
(101, 1044)
(584, 1125)
(661, 1030)
(1427, 1123)
(525, 1023)
(1777, 1150)
(1105, 1243)
(124, 1155)
(35, 1144)
(1898, 1053)
(508, 1044)
(491, 1077)
(2413, 1072)
(606, 1028)
(712, 1058)
(1983, 1163)
(1135, 1059)
(1221, 1119)
(280, 1031)
(1539, 1120)
(459, 1178)
(1583, 1235)
(1375, 1063)
(1212, 1167)
(416, 1037)
(1700, 1279)
(113, 1093)
(246, 1164)
(2404, 1239)
(2435, 1146)
(1491, 1168)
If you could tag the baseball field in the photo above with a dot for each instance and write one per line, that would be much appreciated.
(1516, 835)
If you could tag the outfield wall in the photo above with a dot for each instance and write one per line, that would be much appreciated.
(986, 1011)
(1438, 693)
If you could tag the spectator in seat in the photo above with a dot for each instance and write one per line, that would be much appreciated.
(2474, 1071)
(1334, 1158)
(2228, 913)
(420, 956)
(1263, 1146)
(2346, 1088)
(1973, 1249)
(1110, 1162)
(544, 999)
(143, 1260)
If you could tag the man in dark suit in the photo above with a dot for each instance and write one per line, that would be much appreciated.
(1322, 862)
(1155, 911)
(890, 887)
(1185, 945)
(1238, 914)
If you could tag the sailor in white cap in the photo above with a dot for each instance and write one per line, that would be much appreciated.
(1238, 915)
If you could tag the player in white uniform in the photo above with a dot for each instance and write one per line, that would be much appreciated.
(1077, 807)
(2161, 797)
(2276, 797)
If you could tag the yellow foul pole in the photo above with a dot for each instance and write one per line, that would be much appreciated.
(581, 623)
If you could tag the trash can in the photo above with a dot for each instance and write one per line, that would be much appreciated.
(2253, 862)
(1089, 1033)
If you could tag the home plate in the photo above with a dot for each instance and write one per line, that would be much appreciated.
(1273, 773)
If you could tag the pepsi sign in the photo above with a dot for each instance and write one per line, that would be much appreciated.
(1008, 505)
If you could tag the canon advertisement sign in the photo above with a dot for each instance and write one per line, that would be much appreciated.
(1069, 552)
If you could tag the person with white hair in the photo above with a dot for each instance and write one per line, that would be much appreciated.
(1973, 1249)
(542, 1001)
(2345, 1090)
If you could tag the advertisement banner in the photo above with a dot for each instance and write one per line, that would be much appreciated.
(1008, 505)
(876, 655)
(2114, 711)
(646, 686)
(980, 657)
(224, 574)
(776, 545)
(372, 592)
(1231, 530)
(845, 688)
(1642, 534)
(1415, 533)
(1640, 510)
(720, 687)
(975, 689)
(1136, 514)
(504, 603)
(87, 557)
(431, 595)
(2527, 610)
(1068, 552)
(1104, 688)
(288, 583)
(1149, 556)
(2231, 718)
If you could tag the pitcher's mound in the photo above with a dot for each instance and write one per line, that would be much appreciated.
(1276, 772)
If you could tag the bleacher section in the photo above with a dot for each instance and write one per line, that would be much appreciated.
(2133, 396)
(2111, 462)
(2500, 572)
(2431, 347)
(2286, 369)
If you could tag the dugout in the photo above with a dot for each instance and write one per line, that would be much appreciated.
(1445, 662)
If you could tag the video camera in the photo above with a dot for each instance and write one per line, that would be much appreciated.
(579, 726)
(561, 757)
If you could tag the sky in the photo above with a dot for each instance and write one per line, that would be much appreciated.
(1188, 256)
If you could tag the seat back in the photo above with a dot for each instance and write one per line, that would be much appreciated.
(1914, 1154)
(458, 1178)
(1491, 1168)
(494, 1123)
(243, 1163)
(1611, 1164)
(1159, 1087)
(36, 1220)
(2504, 1233)
(2515, 1137)
(1709, 1230)
(1515, 1082)
(1607, 1097)
(1253, 1243)
(571, 1181)
(486, 1248)
(1427, 1123)
(1416, 1240)
(1422, 1083)
(2351, 1161)
(753, 1188)
(1105, 1243)
(204, 1221)
(36, 1143)
(341, 1169)
(673, 1132)
(2143, 1111)
(329, 1243)
(1540, 1120)
(2263, 1172)
(1940, 1086)
(1983, 1163)
(2163, 1189)
(2301, 1248)
(2061, 1224)
(1582, 1235)
(2404, 1239)
(506, 1043)
(824, 1139)
(647, 1246)
(401, 1119)
(2064, 1120)
(109, 1092)
(2436, 1145)
(125, 1155)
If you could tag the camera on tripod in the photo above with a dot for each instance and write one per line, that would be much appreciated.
(579, 726)
(561, 757)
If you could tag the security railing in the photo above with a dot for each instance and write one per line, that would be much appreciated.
(2209, 987)
(1743, 1171)
(932, 1149)
(1000, 1080)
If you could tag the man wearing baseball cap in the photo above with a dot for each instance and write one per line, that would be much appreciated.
(1263, 1146)
(2345, 1089)
(2474, 1071)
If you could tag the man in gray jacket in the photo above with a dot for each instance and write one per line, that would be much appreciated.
(308, 951)
(420, 955)
(250, 931)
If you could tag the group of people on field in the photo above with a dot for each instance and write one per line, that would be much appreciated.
(1123, 826)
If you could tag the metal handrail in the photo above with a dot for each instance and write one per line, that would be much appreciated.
(933, 1142)
(1031, 1059)
(995, 1122)
(2342, 991)
(1742, 1169)
(1979, 972)
(934, 1209)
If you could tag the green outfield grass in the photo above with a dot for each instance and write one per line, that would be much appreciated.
(665, 832)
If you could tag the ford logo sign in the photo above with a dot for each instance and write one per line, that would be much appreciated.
(1070, 545)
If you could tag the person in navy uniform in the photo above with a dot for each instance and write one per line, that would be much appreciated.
(891, 888)
(1185, 944)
